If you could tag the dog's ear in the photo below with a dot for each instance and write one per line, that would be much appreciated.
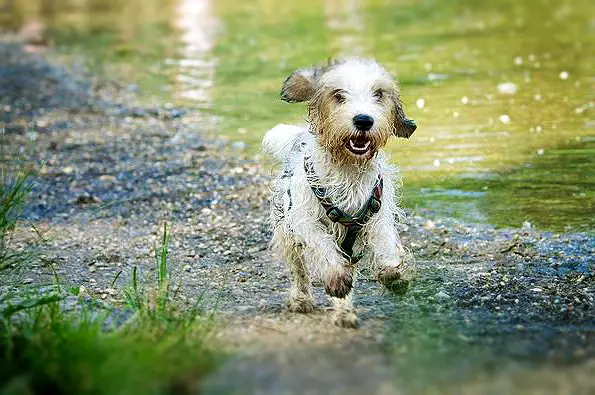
(403, 126)
(300, 86)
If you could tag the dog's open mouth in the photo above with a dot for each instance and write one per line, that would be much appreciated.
(359, 145)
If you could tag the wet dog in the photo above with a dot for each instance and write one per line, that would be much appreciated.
(334, 202)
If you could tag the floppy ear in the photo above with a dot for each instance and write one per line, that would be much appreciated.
(403, 126)
(300, 85)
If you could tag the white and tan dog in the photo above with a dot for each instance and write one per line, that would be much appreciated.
(333, 202)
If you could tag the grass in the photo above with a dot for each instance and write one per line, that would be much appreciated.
(53, 344)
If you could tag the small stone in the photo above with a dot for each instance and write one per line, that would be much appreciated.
(504, 119)
(564, 75)
(87, 199)
(540, 151)
(518, 61)
(238, 145)
(536, 289)
(442, 296)
(107, 178)
(420, 103)
(537, 97)
(28, 281)
(68, 170)
(455, 114)
(527, 225)
(464, 100)
(437, 163)
(507, 88)
(430, 224)
(187, 268)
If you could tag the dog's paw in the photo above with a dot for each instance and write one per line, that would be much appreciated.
(301, 305)
(338, 283)
(394, 279)
(346, 319)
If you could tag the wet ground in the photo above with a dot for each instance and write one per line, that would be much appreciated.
(490, 310)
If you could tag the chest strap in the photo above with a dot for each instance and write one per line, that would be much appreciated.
(353, 223)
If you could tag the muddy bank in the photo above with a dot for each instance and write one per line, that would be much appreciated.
(513, 307)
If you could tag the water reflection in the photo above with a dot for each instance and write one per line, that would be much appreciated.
(345, 20)
(196, 67)
(497, 88)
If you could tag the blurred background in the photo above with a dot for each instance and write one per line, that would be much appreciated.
(503, 91)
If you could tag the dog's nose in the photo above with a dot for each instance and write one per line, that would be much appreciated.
(363, 122)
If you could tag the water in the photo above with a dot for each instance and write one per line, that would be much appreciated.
(503, 92)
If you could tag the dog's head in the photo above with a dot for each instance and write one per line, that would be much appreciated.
(354, 106)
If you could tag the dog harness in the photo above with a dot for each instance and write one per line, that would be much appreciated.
(353, 223)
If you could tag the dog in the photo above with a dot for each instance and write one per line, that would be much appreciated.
(334, 203)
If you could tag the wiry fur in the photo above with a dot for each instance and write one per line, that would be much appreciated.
(303, 236)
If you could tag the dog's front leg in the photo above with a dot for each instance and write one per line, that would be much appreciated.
(343, 311)
(323, 256)
(387, 253)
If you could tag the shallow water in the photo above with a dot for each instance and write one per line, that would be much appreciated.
(503, 92)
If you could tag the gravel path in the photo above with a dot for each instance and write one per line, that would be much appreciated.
(507, 311)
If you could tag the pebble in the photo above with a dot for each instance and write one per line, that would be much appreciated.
(442, 295)
(238, 145)
(504, 119)
(420, 103)
(564, 75)
(507, 88)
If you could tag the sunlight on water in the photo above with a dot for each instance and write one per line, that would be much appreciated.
(197, 67)
(503, 92)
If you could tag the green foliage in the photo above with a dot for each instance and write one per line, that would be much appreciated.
(82, 347)
(13, 193)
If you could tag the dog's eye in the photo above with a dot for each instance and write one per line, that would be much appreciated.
(378, 94)
(339, 96)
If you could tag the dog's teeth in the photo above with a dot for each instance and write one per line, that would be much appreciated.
(357, 148)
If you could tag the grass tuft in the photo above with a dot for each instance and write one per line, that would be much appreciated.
(13, 194)
(53, 341)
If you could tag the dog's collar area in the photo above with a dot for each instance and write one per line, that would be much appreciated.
(353, 223)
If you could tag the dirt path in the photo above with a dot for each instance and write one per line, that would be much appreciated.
(514, 306)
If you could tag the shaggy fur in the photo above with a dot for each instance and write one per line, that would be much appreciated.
(347, 159)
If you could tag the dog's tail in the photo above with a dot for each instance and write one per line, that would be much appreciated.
(280, 140)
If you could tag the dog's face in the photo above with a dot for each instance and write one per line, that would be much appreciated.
(354, 107)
